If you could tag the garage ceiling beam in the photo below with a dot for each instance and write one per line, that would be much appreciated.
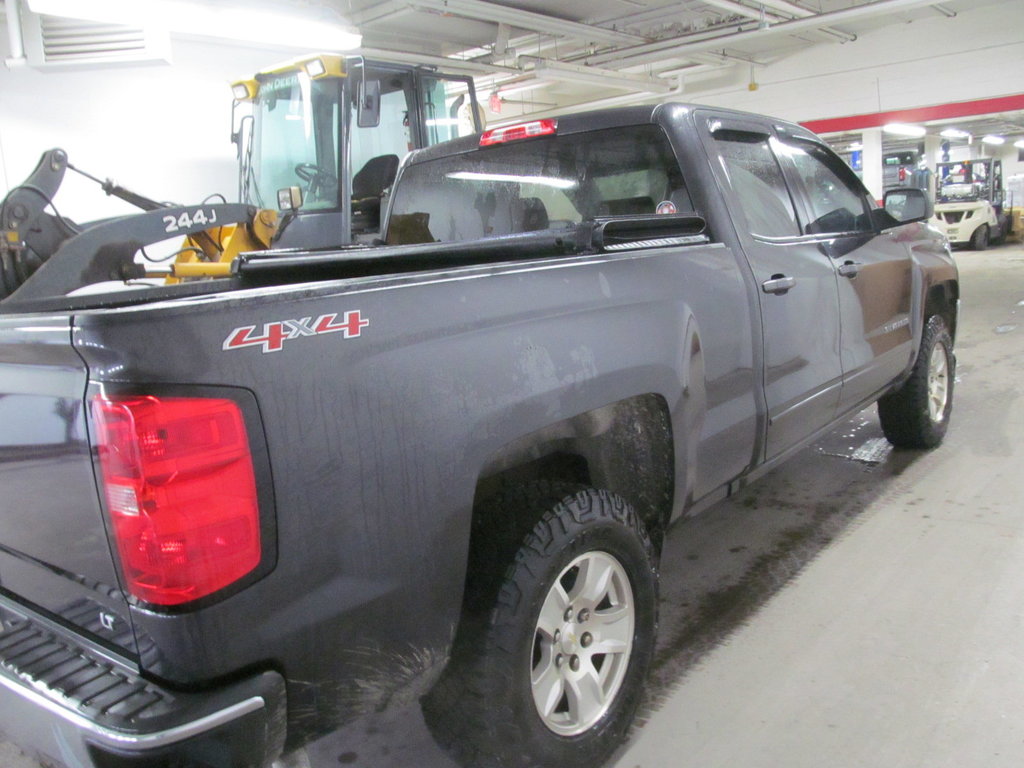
(743, 10)
(573, 73)
(762, 14)
(650, 52)
(538, 22)
(791, 8)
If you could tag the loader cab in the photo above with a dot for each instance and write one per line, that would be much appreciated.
(322, 139)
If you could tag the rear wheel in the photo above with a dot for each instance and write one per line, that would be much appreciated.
(979, 240)
(554, 674)
(917, 414)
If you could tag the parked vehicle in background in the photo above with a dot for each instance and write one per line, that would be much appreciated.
(971, 205)
(241, 511)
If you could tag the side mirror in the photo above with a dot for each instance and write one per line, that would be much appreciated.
(908, 204)
(289, 199)
(368, 108)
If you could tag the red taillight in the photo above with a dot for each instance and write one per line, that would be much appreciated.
(180, 489)
(517, 132)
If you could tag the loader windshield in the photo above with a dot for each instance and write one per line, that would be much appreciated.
(294, 141)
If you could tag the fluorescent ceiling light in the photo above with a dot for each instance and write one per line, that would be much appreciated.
(902, 129)
(954, 133)
(1019, 143)
(856, 146)
(233, 22)
(607, 78)
(546, 181)
(997, 140)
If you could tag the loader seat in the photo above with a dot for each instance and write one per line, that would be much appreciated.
(368, 186)
(534, 215)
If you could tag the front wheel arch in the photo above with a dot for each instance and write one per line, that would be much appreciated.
(917, 414)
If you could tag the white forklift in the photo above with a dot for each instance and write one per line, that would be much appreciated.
(970, 202)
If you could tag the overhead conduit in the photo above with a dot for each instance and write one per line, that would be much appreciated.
(15, 40)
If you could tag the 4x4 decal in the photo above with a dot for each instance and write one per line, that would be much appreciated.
(276, 334)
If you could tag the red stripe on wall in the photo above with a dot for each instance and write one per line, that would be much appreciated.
(917, 115)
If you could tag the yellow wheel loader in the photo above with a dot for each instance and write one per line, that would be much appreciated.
(319, 142)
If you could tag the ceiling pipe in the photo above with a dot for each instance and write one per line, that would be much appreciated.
(446, 63)
(14, 34)
(573, 73)
(641, 54)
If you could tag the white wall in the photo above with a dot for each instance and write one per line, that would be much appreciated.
(976, 55)
(158, 129)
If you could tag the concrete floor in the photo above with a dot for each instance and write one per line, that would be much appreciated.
(857, 607)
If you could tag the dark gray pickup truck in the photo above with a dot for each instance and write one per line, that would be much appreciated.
(238, 512)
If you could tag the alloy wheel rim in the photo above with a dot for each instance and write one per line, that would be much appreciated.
(938, 384)
(582, 643)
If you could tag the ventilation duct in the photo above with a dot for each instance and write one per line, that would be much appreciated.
(58, 41)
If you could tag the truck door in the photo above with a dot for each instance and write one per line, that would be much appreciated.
(795, 279)
(873, 266)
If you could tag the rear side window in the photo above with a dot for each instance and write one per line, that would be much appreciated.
(547, 183)
(833, 195)
(757, 180)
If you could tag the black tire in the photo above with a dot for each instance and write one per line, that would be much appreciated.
(483, 709)
(979, 240)
(1004, 230)
(917, 414)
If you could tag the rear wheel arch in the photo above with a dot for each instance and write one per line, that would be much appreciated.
(625, 447)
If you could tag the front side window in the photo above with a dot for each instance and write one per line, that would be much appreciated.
(836, 203)
(447, 109)
(757, 180)
(536, 184)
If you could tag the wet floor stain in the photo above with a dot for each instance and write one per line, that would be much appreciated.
(1005, 328)
(789, 518)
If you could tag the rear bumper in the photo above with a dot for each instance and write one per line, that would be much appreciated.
(74, 705)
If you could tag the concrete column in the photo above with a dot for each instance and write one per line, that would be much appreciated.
(932, 155)
(871, 138)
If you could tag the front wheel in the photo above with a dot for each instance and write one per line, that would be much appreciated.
(917, 414)
(555, 674)
(979, 240)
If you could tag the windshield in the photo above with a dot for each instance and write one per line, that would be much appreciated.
(967, 180)
(958, 191)
(537, 184)
(295, 133)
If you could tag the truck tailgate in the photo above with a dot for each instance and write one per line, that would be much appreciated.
(54, 552)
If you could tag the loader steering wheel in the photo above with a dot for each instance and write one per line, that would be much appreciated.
(318, 179)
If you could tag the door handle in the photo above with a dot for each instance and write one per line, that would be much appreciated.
(779, 284)
(850, 268)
